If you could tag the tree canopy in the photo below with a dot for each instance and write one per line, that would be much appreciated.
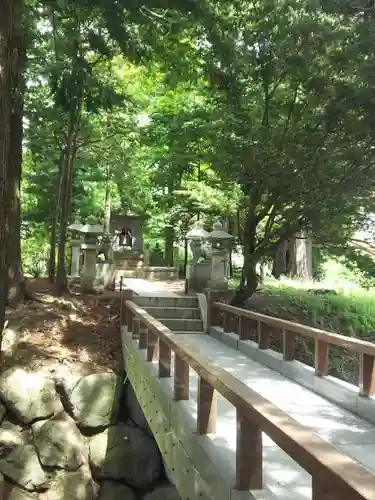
(259, 113)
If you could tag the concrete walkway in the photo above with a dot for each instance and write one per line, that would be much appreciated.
(284, 477)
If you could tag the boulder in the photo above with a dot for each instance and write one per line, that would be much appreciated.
(115, 491)
(3, 411)
(127, 454)
(18, 494)
(76, 485)
(22, 466)
(29, 396)
(135, 411)
(167, 492)
(59, 443)
(95, 400)
(12, 435)
(2, 486)
(64, 385)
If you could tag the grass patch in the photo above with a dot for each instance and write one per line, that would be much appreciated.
(349, 314)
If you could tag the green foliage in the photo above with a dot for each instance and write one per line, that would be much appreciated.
(34, 250)
(319, 258)
(360, 266)
(260, 113)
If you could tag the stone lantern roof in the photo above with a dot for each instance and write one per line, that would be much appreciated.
(218, 233)
(197, 232)
(91, 227)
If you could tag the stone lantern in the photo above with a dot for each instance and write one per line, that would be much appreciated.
(221, 243)
(198, 272)
(91, 230)
(75, 245)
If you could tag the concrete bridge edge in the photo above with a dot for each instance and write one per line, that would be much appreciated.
(188, 457)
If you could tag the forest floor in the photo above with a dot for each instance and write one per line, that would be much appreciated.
(77, 332)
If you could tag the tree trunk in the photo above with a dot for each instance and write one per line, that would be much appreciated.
(170, 235)
(294, 258)
(107, 202)
(10, 23)
(280, 261)
(66, 193)
(300, 258)
(17, 285)
(55, 220)
(169, 242)
(249, 277)
(10, 18)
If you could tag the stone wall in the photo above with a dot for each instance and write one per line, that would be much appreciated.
(77, 438)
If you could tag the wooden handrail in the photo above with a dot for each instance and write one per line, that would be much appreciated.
(289, 331)
(335, 475)
(351, 344)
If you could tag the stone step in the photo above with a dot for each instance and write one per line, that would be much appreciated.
(174, 312)
(183, 325)
(160, 301)
(194, 332)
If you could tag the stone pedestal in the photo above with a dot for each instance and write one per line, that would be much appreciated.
(76, 258)
(89, 270)
(219, 270)
(197, 276)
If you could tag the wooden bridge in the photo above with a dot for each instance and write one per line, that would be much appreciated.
(235, 420)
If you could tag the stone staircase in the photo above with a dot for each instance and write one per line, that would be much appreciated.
(180, 314)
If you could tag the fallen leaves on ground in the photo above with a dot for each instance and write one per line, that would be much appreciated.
(77, 329)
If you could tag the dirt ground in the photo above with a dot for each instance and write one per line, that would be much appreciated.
(77, 331)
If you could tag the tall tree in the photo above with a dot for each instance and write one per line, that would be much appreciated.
(290, 117)
(10, 22)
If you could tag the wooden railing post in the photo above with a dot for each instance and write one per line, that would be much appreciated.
(143, 337)
(135, 328)
(366, 375)
(214, 314)
(165, 358)
(289, 345)
(322, 491)
(181, 379)
(244, 328)
(264, 336)
(249, 454)
(122, 305)
(226, 322)
(206, 422)
(129, 321)
(321, 358)
(235, 323)
(125, 314)
(153, 346)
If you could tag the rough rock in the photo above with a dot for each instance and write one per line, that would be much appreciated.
(2, 486)
(65, 381)
(3, 411)
(115, 491)
(12, 435)
(125, 453)
(168, 492)
(76, 485)
(95, 400)
(59, 443)
(135, 410)
(22, 466)
(19, 494)
(29, 396)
